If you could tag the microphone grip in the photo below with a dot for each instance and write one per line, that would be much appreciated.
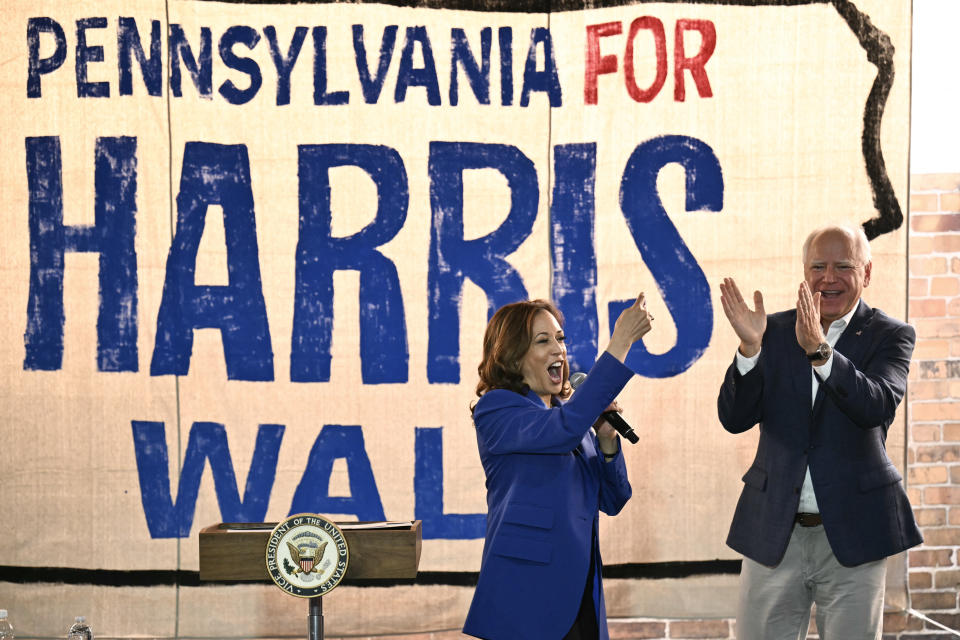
(617, 422)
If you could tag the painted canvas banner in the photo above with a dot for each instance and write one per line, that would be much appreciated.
(250, 249)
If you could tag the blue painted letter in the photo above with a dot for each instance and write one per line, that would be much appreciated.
(383, 333)
(200, 68)
(214, 174)
(679, 278)
(478, 75)
(129, 45)
(313, 492)
(112, 235)
(35, 66)
(572, 249)
(428, 493)
(425, 76)
(208, 441)
(483, 260)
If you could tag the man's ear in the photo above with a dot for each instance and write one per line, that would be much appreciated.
(866, 274)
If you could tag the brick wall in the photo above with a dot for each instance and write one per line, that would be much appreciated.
(933, 445)
(933, 453)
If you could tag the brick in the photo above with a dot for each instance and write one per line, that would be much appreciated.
(950, 202)
(931, 350)
(921, 245)
(953, 517)
(933, 369)
(926, 601)
(917, 580)
(949, 620)
(915, 495)
(942, 495)
(955, 474)
(934, 517)
(942, 537)
(944, 286)
(929, 390)
(955, 348)
(955, 265)
(928, 475)
(920, 432)
(927, 308)
(637, 630)
(946, 243)
(911, 456)
(928, 266)
(930, 558)
(926, 203)
(938, 453)
(935, 222)
(953, 307)
(918, 287)
(934, 411)
(936, 328)
(948, 579)
(894, 621)
(699, 629)
(934, 182)
(951, 432)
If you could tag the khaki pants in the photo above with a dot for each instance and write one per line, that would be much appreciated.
(775, 601)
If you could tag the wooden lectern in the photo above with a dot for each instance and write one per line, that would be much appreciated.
(235, 552)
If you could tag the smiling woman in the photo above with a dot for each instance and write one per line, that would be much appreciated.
(549, 474)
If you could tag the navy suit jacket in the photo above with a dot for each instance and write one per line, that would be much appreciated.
(860, 493)
(546, 481)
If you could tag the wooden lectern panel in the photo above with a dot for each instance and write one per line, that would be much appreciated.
(378, 550)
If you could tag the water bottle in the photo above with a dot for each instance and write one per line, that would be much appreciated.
(6, 629)
(80, 630)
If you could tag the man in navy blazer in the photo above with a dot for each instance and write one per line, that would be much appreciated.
(822, 505)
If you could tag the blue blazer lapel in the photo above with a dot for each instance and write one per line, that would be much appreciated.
(855, 340)
(852, 344)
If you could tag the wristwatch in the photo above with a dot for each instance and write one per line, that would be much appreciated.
(822, 352)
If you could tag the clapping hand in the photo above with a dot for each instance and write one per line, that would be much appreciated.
(748, 324)
(809, 329)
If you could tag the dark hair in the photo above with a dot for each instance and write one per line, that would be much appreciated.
(506, 340)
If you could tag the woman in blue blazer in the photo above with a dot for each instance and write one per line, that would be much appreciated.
(548, 475)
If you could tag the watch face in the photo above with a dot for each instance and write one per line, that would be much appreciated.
(822, 352)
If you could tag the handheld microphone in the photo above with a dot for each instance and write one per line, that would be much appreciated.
(615, 419)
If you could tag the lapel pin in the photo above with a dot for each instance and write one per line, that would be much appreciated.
(859, 332)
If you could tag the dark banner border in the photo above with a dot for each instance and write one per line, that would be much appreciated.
(106, 578)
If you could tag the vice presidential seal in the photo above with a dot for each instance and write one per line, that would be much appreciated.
(307, 555)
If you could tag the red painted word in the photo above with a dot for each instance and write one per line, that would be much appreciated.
(597, 64)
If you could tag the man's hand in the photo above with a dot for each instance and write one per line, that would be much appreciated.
(748, 324)
(809, 330)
